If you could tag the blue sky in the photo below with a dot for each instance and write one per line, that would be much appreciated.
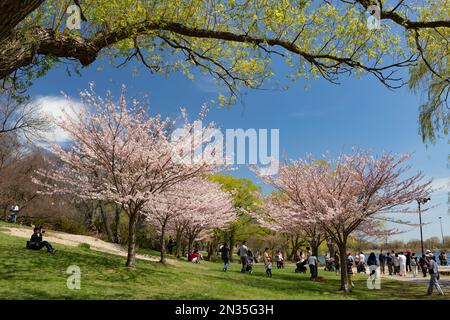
(325, 117)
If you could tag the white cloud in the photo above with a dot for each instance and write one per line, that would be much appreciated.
(441, 186)
(56, 108)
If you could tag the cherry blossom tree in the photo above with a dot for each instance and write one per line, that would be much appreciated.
(121, 154)
(196, 205)
(282, 216)
(209, 208)
(349, 193)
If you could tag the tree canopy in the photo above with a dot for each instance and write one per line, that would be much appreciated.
(235, 41)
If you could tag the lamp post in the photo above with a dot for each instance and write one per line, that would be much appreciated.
(442, 232)
(419, 202)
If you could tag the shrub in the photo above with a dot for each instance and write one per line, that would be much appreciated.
(84, 245)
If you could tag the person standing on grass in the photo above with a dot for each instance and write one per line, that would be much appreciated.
(313, 267)
(225, 251)
(382, 260)
(337, 262)
(362, 263)
(402, 264)
(350, 262)
(170, 245)
(356, 261)
(267, 260)
(414, 264)
(443, 258)
(373, 266)
(390, 263)
(243, 252)
(434, 275)
(280, 260)
(14, 211)
(396, 264)
(408, 261)
(422, 264)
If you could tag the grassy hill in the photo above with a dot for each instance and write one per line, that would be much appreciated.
(26, 274)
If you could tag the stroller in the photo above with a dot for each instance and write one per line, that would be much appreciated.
(249, 265)
(301, 267)
(329, 264)
(361, 267)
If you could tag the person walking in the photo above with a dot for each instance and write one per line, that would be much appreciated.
(434, 275)
(443, 258)
(372, 260)
(13, 213)
(396, 264)
(313, 267)
(422, 264)
(170, 245)
(408, 261)
(402, 264)
(390, 263)
(414, 264)
(382, 260)
(362, 262)
(225, 251)
(337, 262)
(242, 252)
(373, 266)
(267, 260)
(279, 259)
(350, 262)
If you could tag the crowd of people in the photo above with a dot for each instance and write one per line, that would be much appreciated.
(399, 263)
(392, 263)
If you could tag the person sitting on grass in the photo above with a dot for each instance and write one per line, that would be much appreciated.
(36, 242)
(195, 256)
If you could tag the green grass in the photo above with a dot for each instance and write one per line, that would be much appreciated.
(26, 274)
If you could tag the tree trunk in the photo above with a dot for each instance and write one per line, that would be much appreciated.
(106, 223)
(117, 224)
(331, 247)
(162, 242)
(190, 242)
(315, 248)
(293, 249)
(210, 247)
(12, 12)
(132, 226)
(232, 242)
(343, 258)
(93, 211)
(178, 242)
(184, 248)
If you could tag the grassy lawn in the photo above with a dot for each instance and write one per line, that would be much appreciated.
(26, 274)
